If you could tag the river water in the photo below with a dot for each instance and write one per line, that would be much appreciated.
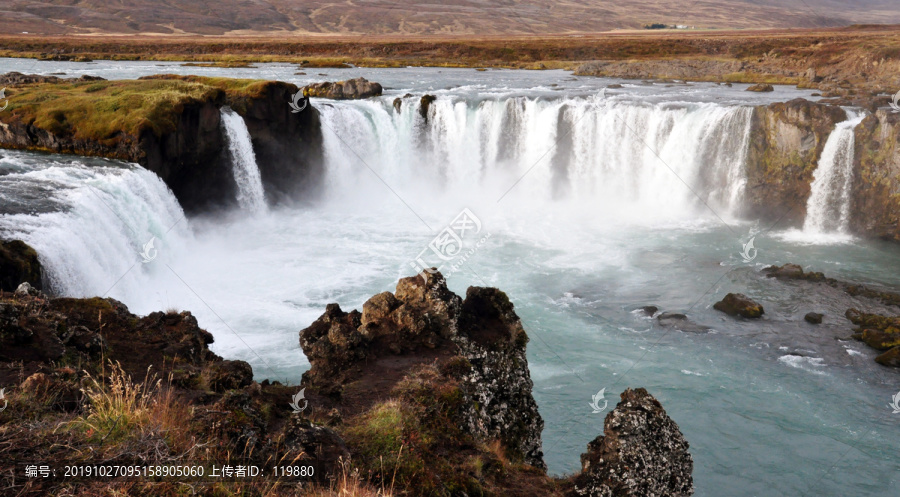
(589, 203)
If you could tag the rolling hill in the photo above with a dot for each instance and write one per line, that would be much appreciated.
(423, 17)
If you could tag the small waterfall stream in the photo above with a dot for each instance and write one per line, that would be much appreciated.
(251, 195)
(828, 206)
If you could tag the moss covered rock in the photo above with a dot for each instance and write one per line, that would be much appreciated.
(738, 304)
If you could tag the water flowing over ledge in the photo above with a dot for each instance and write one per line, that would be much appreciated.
(591, 151)
(250, 194)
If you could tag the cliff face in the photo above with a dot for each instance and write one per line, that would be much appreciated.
(171, 125)
(785, 149)
(875, 208)
(785, 146)
(18, 263)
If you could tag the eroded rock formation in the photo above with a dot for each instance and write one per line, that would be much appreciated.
(641, 453)
(478, 340)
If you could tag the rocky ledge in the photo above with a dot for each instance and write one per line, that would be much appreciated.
(351, 89)
(170, 125)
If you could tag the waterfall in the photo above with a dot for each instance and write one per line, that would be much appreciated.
(89, 220)
(598, 151)
(250, 195)
(828, 206)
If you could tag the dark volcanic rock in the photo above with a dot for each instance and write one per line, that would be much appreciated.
(423, 322)
(649, 310)
(18, 263)
(228, 375)
(680, 322)
(316, 445)
(738, 304)
(351, 89)
(424, 104)
(641, 453)
(813, 318)
(787, 271)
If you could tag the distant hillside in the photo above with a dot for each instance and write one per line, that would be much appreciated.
(424, 17)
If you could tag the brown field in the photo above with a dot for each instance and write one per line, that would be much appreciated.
(835, 59)
(817, 45)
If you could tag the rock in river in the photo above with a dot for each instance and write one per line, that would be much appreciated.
(642, 452)
(738, 304)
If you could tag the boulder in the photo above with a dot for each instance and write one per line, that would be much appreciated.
(642, 452)
(649, 310)
(890, 358)
(18, 263)
(738, 304)
(680, 322)
(813, 318)
(787, 271)
(222, 376)
(351, 89)
(761, 87)
(424, 104)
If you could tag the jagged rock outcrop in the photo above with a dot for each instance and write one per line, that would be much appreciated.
(18, 263)
(738, 304)
(786, 142)
(479, 340)
(352, 89)
(641, 453)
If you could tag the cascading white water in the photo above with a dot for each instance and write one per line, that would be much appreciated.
(828, 206)
(91, 226)
(251, 195)
(593, 150)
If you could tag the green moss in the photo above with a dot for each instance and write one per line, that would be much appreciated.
(100, 110)
(103, 111)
